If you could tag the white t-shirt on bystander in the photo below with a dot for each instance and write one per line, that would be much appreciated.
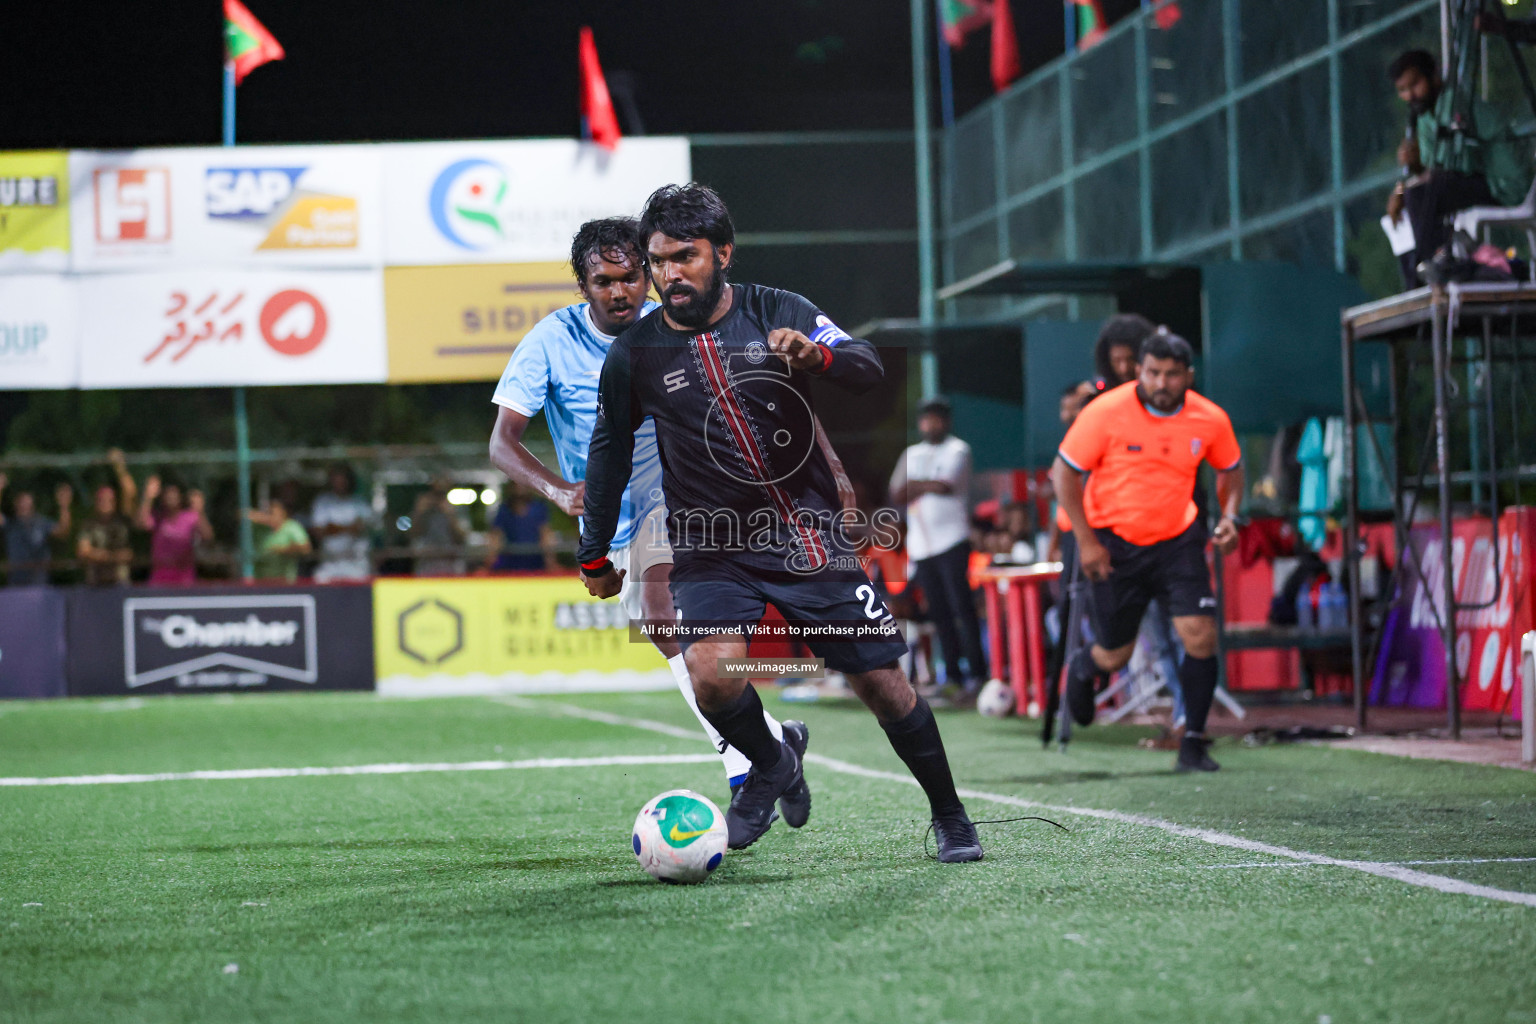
(343, 556)
(937, 522)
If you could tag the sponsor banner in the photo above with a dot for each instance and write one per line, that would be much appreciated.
(34, 211)
(190, 640)
(458, 323)
(500, 633)
(1493, 586)
(252, 206)
(31, 642)
(39, 331)
(212, 328)
(514, 202)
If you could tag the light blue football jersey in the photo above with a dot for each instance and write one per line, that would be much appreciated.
(555, 369)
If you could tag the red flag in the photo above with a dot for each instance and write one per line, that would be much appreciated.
(1006, 65)
(602, 124)
(247, 43)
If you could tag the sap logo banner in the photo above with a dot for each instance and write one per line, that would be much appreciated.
(514, 202)
(192, 640)
(269, 198)
(201, 642)
(248, 193)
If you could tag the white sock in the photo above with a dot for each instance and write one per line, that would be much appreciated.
(735, 761)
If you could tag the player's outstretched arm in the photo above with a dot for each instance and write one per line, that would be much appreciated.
(512, 457)
(610, 461)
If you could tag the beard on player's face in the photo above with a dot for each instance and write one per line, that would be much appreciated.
(689, 306)
(1164, 397)
(1161, 383)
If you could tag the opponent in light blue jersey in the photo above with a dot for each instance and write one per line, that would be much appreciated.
(555, 370)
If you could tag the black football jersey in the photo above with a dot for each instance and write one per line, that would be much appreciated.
(745, 482)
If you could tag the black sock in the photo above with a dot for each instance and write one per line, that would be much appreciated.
(743, 726)
(916, 741)
(1198, 678)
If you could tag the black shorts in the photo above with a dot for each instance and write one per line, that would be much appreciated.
(843, 614)
(1172, 571)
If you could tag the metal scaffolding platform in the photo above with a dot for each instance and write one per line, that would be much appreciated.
(1489, 316)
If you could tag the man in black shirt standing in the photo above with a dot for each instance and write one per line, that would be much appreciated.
(754, 515)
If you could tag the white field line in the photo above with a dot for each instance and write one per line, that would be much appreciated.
(1381, 869)
(575, 711)
(404, 768)
(1395, 863)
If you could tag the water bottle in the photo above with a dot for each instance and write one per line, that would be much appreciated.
(1304, 616)
(1333, 607)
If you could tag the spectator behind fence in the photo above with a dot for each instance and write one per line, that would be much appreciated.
(1488, 165)
(933, 479)
(436, 531)
(1115, 351)
(286, 544)
(1016, 538)
(176, 525)
(521, 524)
(27, 534)
(341, 521)
(105, 544)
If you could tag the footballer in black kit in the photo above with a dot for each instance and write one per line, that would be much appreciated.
(754, 515)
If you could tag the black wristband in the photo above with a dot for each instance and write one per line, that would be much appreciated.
(592, 570)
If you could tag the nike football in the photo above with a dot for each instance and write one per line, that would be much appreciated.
(679, 837)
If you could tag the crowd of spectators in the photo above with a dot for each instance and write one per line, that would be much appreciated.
(160, 532)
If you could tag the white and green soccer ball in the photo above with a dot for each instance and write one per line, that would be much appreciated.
(679, 837)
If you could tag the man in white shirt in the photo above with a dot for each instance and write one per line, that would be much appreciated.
(340, 521)
(933, 480)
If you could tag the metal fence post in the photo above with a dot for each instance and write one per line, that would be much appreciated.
(924, 154)
(1231, 56)
(1336, 132)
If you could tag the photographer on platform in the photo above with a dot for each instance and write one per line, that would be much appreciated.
(1448, 168)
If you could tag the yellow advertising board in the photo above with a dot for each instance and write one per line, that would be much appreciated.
(34, 210)
(501, 626)
(460, 323)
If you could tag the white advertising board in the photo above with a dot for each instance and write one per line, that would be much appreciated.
(245, 206)
(220, 328)
(514, 202)
(38, 332)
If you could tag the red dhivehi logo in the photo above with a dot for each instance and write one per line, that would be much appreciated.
(293, 322)
(746, 445)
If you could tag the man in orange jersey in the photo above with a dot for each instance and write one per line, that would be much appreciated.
(1138, 534)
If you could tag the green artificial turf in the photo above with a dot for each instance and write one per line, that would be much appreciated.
(512, 895)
